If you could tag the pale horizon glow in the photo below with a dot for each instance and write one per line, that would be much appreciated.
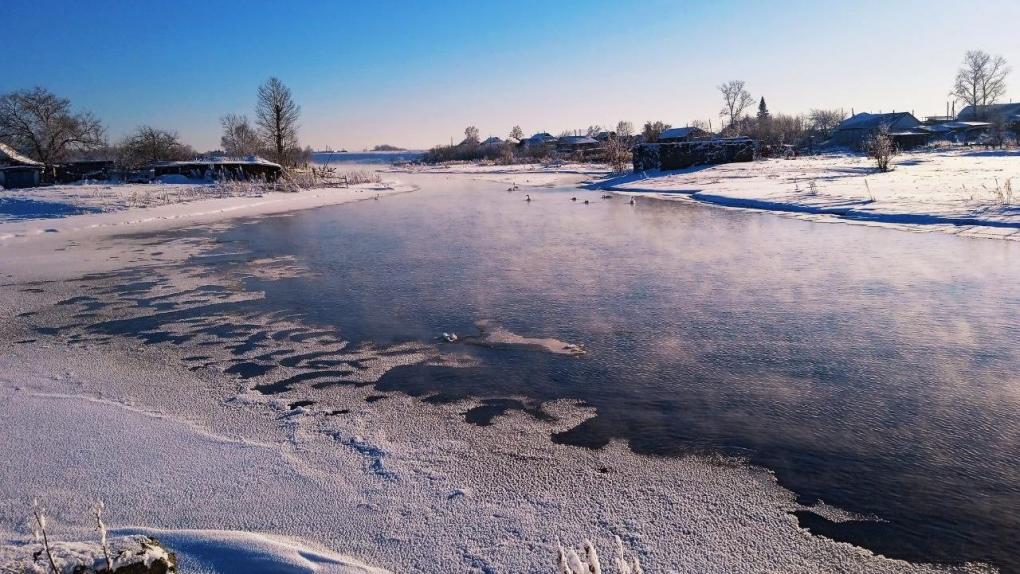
(415, 74)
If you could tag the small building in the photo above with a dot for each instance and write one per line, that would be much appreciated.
(251, 167)
(569, 144)
(959, 132)
(17, 170)
(856, 130)
(604, 136)
(492, 141)
(539, 139)
(674, 135)
(72, 171)
(1007, 113)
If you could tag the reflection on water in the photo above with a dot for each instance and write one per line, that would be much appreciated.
(874, 369)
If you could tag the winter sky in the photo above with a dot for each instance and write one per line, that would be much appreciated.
(415, 73)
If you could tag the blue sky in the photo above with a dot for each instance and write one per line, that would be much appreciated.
(416, 73)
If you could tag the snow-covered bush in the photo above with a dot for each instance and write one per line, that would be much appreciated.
(881, 148)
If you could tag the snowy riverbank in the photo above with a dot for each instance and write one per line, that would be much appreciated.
(964, 192)
(41, 245)
(961, 192)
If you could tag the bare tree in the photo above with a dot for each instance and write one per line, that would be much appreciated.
(276, 115)
(736, 99)
(517, 133)
(471, 135)
(239, 137)
(624, 130)
(593, 130)
(41, 125)
(981, 79)
(149, 145)
(824, 122)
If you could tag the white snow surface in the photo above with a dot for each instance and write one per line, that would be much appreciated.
(231, 552)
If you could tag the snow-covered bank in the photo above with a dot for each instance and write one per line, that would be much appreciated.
(522, 175)
(963, 192)
(38, 247)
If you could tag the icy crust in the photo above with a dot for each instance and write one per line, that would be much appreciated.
(968, 193)
(136, 553)
(400, 483)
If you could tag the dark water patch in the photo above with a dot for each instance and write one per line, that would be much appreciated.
(25, 341)
(288, 383)
(338, 412)
(249, 370)
(286, 333)
(375, 398)
(27, 313)
(484, 414)
(254, 341)
(192, 358)
(48, 330)
(881, 537)
(297, 404)
(33, 290)
(272, 355)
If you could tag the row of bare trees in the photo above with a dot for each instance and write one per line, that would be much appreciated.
(275, 133)
(45, 127)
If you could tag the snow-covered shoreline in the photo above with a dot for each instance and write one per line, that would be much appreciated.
(963, 192)
(64, 245)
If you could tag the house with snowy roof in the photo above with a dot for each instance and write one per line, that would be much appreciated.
(903, 127)
(492, 140)
(244, 168)
(17, 170)
(1008, 113)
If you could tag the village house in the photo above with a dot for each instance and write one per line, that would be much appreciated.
(493, 140)
(1009, 114)
(17, 170)
(903, 127)
(247, 168)
(674, 135)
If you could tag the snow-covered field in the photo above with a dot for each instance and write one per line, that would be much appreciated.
(964, 192)
(214, 468)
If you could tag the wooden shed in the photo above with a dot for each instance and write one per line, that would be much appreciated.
(17, 170)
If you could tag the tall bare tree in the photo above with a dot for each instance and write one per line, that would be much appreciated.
(624, 129)
(824, 122)
(736, 99)
(471, 135)
(277, 115)
(41, 125)
(239, 137)
(517, 133)
(981, 79)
